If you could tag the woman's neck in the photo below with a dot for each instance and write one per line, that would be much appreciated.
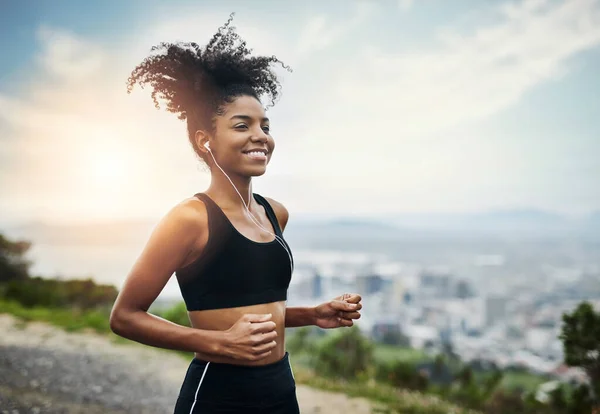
(221, 189)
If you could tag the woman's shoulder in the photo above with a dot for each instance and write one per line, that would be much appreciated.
(280, 211)
(189, 214)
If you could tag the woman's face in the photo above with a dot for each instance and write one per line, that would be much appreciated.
(243, 144)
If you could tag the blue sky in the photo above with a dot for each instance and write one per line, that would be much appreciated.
(393, 106)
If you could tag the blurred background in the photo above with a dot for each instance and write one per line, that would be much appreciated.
(439, 158)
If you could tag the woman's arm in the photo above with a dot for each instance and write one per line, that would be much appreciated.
(149, 329)
(168, 247)
(299, 316)
(336, 313)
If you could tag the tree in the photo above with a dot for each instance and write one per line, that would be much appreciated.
(581, 342)
(13, 265)
(395, 337)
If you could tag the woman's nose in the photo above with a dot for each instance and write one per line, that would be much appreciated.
(260, 136)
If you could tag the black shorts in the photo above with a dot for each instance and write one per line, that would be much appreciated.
(211, 387)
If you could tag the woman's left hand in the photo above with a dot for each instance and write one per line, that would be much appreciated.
(339, 311)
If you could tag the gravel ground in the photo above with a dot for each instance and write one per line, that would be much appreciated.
(44, 369)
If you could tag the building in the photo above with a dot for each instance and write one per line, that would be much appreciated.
(495, 309)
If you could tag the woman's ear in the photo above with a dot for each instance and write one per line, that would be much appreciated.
(202, 139)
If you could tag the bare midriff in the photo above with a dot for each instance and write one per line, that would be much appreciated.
(223, 319)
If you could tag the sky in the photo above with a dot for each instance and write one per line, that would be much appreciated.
(392, 107)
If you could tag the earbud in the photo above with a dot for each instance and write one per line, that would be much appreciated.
(207, 146)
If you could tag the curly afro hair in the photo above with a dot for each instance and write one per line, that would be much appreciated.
(196, 83)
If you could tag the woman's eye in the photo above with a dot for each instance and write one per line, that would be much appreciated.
(266, 129)
(241, 126)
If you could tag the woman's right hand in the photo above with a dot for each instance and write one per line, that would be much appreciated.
(251, 338)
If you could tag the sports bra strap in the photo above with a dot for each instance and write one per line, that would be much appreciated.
(211, 205)
(270, 213)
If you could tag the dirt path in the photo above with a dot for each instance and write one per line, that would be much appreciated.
(44, 369)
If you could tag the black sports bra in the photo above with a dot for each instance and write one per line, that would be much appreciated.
(233, 270)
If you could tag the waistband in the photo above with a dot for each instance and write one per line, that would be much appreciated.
(273, 366)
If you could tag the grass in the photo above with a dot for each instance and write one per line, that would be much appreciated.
(523, 380)
(71, 319)
(388, 353)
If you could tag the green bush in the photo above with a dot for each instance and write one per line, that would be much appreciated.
(470, 395)
(345, 353)
(34, 292)
(54, 293)
(401, 374)
(301, 341)
(505, 402)
(581, 400)
(176, 314)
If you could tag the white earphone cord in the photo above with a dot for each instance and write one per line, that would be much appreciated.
(279, 240)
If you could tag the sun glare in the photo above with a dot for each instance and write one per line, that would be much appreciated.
(107, 169)
(103, 182)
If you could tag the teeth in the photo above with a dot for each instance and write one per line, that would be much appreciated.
(256, 153)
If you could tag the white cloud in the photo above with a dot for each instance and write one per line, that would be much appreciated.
(376, 122)
(470, 76)
(68, 57)
(405, 4)
(321, 32)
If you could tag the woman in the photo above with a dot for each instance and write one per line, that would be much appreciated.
(224, 245)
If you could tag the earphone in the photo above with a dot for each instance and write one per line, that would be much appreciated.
(247, 210)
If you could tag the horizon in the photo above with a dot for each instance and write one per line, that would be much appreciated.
(391, 220)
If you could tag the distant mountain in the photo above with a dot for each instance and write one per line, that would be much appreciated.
(591, 224)
(342, 228)
(512, 223)
(593, 218)
(521, 220)
(518, 221)
(525, 216)
(358, 224)
(498, 223)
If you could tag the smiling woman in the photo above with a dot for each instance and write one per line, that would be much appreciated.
(225, 245)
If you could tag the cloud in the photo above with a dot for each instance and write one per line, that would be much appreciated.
(66, 56)
(474, 75)
(320, 32)
(385, 111)
(405, 5)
